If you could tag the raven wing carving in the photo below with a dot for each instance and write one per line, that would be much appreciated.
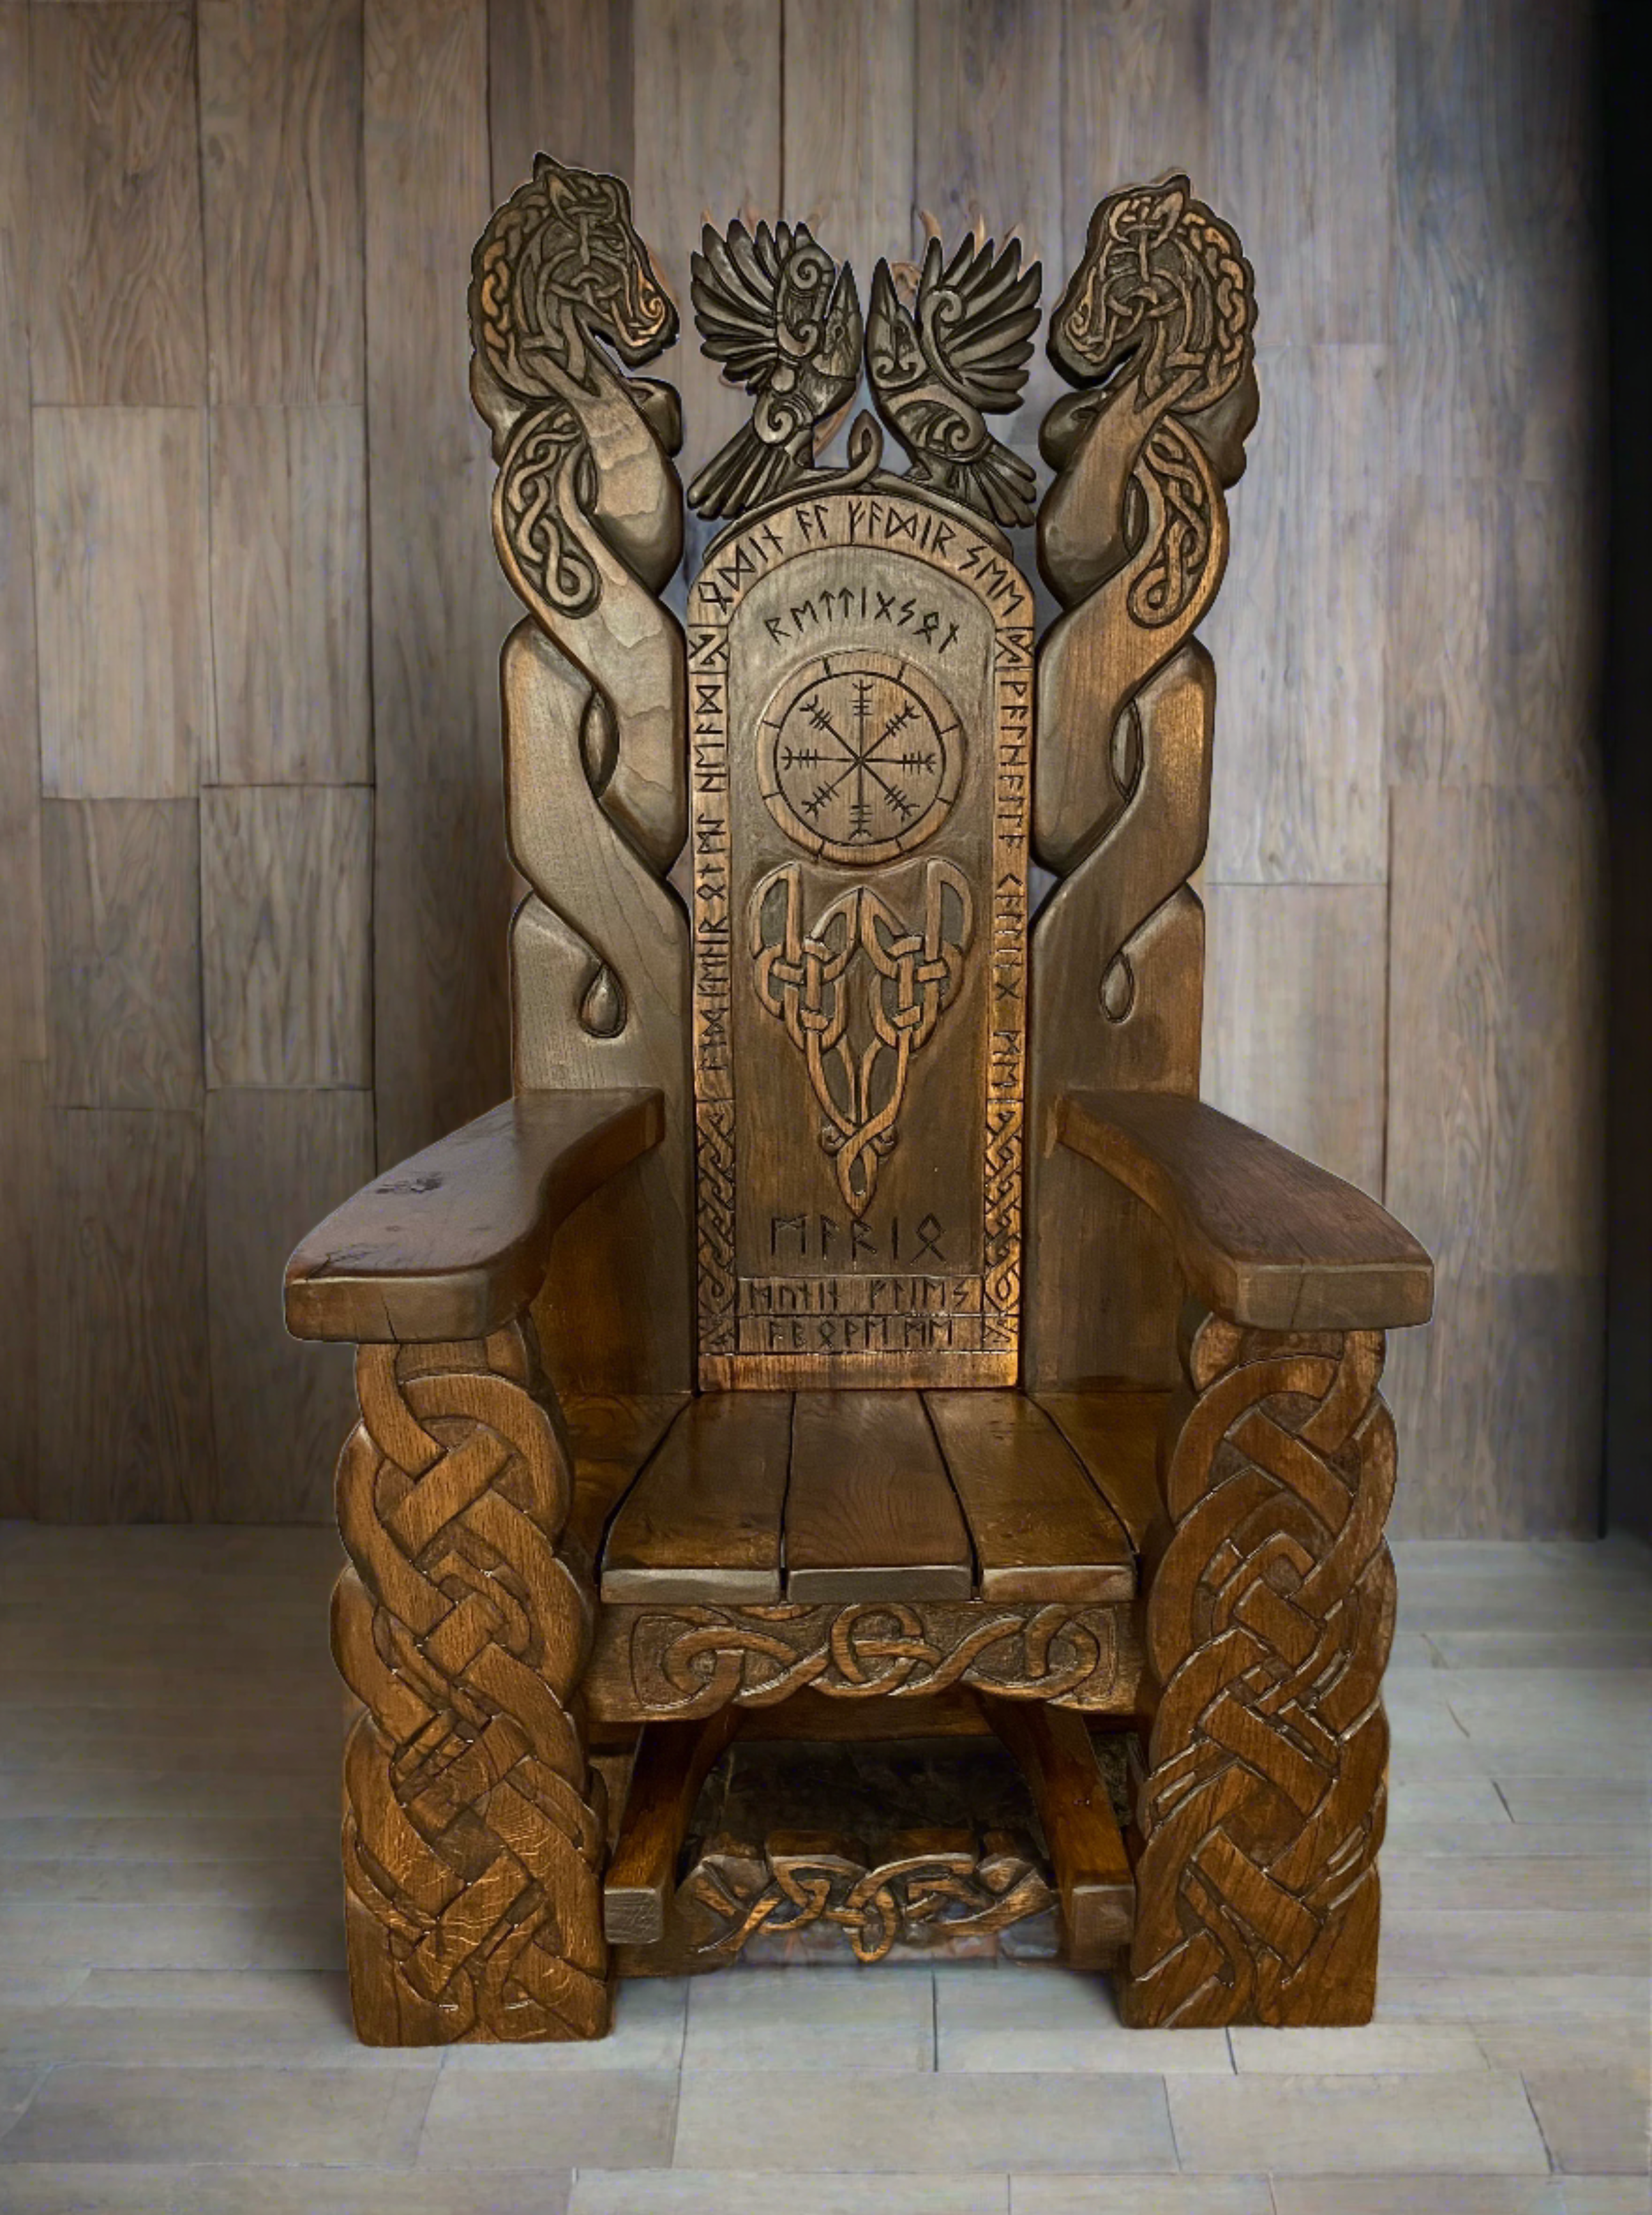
(957, 355)
(785, 321)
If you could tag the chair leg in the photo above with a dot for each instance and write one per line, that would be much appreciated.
(1269, 1620)
(473, 1832)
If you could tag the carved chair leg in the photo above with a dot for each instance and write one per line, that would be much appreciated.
(1269, 1621)
(473, 1832)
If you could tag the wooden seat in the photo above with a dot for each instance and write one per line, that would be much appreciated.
(754, 1497)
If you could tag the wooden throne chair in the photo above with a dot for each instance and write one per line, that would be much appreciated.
(855, 1327)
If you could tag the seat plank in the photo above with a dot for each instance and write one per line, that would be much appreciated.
(1042, 1530)
(610, 1435)
(703, 1520)
(1115, 1432)
(871, 1512)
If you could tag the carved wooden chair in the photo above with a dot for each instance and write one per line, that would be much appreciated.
(854, 1325)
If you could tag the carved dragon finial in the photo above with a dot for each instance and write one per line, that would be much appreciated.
(958, 353)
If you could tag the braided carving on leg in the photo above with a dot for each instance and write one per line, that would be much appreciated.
(473, 1831)
(1268, 1624)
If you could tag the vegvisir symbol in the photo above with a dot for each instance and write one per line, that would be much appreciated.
(855, 761)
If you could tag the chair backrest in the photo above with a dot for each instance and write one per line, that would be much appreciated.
(862, 1054)
(860, 716)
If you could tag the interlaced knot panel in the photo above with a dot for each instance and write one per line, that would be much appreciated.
(472, 1828)
(1270, 1621)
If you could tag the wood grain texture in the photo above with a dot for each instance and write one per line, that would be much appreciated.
(1494, 1050)
(1115, 1434)
(280, 143)
(1135, 100)
(120, 561)
(123, 918)
(704, 1519)
(1256, 1887)
(126, 1411)
(673, 1761)
(275, 1162)
(1262, 1237)
(870, 1512)
(452, 1243)
(287, 906)
(441, 884)
(707, 108)
(848, 140)
(289, 587)
(1321, 243)
(559, 80)
(1296, 985)
(610, 1435)
(115, 297)
(1039, 1527)
(989, 88)
(22, 981)
(1299, 633)
(1093, 1876)
(23, 1149)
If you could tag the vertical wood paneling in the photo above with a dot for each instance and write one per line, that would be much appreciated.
(23, 1154)
(1299, 633)
(559, 82)
(848, 146)
(441, 882)
(120, 592)
(707, 108)
(286, 883)
(1495, 1028)
(123, 934)
(1135, 93)
(276, 1164)
(116, 298)
(280, 138)
(125, 1423)
(1295, 979)
(22, 991)
(289, 589)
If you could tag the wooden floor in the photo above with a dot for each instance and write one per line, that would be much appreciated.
(173, 2029)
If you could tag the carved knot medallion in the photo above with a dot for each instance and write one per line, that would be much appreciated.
(860, 991)
(859, 759)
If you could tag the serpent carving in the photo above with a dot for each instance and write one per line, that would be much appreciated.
(587, 521)
(1155, 329)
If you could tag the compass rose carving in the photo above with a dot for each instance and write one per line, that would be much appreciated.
(859, 757)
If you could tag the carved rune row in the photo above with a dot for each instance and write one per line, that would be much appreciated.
(473, 1830)
(1268, 1626)
(688, 1661)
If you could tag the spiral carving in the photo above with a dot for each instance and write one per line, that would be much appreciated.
(1268, 1625)
(473, 1825)
(1155, 329)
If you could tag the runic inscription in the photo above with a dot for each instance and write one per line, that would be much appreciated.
(860, 693)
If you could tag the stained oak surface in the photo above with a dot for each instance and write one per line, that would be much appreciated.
(454, 1241)
(1263, 1236)
(871, 1513)
(1040, 1529)
(704, 1519)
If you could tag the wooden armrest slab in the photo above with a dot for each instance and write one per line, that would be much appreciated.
(1264, 1237)
(455, 1241)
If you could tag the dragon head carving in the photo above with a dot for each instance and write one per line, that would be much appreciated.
(1163, 286)
(560, 265)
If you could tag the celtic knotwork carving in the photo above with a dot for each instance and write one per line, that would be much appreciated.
(713, 1125)
(1268, 1625)
(691, 1660)
(924, 1898)
(473, 1827)
(859, 1044)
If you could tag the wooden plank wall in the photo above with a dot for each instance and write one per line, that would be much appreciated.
(250, 815)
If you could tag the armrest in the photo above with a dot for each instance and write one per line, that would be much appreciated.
(1262, 1236)
(455, 1241)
